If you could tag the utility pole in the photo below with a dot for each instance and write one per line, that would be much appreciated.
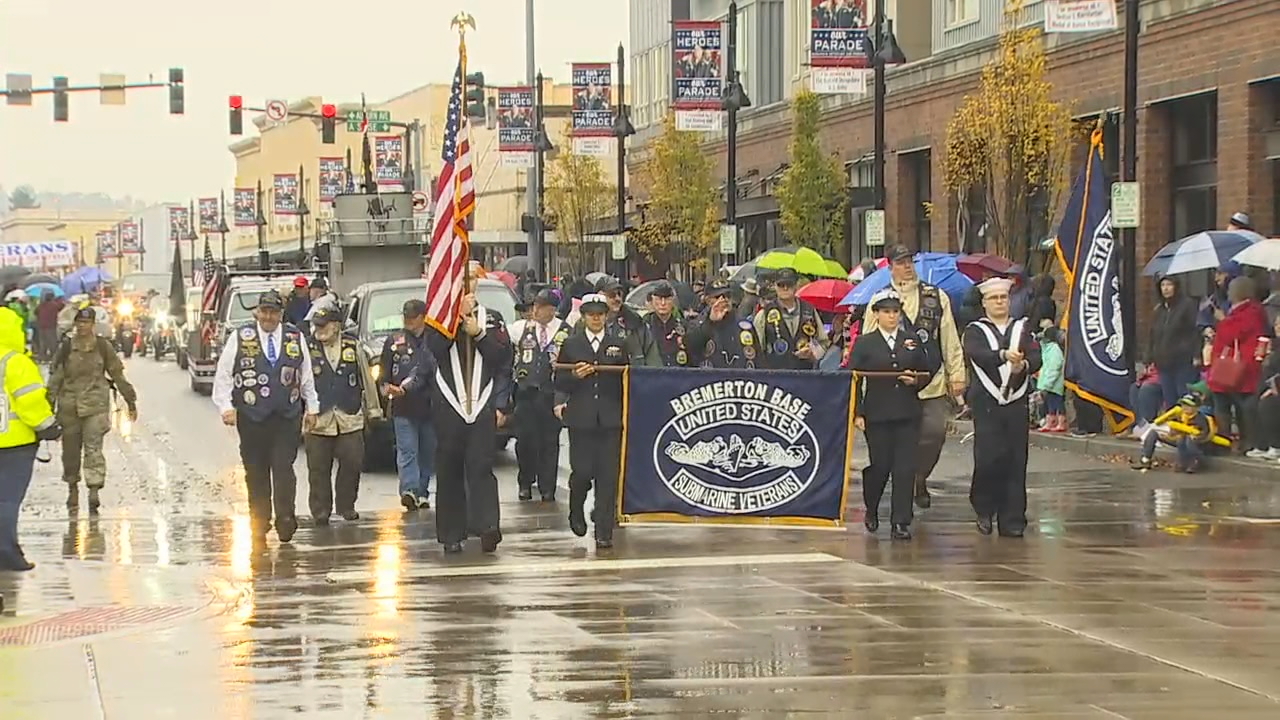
(1129, 172)
(222, 222)
(303, 212)
(541, 145)
(533, 200)
(879, 92)
(192, 237)
(622, 129)
(735, 98)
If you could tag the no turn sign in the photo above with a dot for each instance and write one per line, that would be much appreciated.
(277, 111)
(420, 200)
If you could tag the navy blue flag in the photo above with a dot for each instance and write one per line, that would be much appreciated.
(1097, 364)
(737, 446)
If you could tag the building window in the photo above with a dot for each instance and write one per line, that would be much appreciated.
(1194, 149)
(861, 173)
(961, 11)
(921, 173)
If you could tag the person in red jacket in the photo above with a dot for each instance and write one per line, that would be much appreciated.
(1233, 381)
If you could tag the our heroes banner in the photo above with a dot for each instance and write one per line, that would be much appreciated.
(838, 33)
(592, 100)
(733, 446)
(245, 203)
(696, 63)
(179, 223)
(130, 238)
(333, 174)
(388, 159)
(208, 209)
(108, 248)
(515, 119)
(285, 194)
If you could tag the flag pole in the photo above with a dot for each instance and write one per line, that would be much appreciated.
(462, 21)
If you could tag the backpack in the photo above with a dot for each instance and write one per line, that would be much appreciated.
(104, 350)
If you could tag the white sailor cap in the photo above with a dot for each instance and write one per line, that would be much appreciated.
(995, 285)
(593, 302)
(886, 298)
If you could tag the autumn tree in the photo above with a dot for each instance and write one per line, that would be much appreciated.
(1008, 146)
(23, 197)
(578, 193)
(812, 198)
(681, 215)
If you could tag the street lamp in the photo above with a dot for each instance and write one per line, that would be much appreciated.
(541, 146)
(264, 257)
(622, 129)
(303, 212)
(222, 223)
(882, 51)
(734, 99)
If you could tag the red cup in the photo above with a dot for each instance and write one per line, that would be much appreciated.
(1263, 349)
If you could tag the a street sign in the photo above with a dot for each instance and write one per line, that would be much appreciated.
(618, 247)
(873, 228)
(1126, 205)
(277, 111)
(728, 239)
(420, 201)
(18, 89)
(379, 121)
(112, 92)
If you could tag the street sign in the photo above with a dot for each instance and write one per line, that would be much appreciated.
(18, 89)
(728, 239)
(1126, 205)
(379, 121)
(277, 111)
(112, 92)
(618, 247)
(873, 222)
(420, 201)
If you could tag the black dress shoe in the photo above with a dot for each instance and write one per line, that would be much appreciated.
(549, 498)
(924, 501)
(578, 524)
(984, 525)
(19, 565)
(604, 543)
(452, 548)
(489, 540)
(1011, 533)
(286, 528)
(350, 516)
(322, 521)
(900, 532)
(871, 523)
(526, 493)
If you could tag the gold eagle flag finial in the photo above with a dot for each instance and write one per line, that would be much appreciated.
(462, 21)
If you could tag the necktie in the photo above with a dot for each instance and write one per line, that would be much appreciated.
(271, 348)
(595, 344)
(542, 336)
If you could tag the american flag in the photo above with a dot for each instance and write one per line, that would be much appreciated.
(209, 277)
(455, 202)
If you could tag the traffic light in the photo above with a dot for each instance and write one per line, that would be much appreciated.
(328, 115)
(237, 115)
(177, 93)
(475, 96)
(59, 99)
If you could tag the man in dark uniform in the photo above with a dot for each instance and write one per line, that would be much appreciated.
(668, 329)
(263, 381)
(537, 343)
(888, 410)
(589, 401)
(641, 348)
(472, 398)
(408, 374)
(790, 328)
(719, 338)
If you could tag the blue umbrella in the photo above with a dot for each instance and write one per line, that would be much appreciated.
(1203, 251)
(39, 289)
(937, 269)
(84, 280)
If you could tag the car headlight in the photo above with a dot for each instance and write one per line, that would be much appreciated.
(125, 309)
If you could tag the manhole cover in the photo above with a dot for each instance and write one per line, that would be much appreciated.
(90, 621)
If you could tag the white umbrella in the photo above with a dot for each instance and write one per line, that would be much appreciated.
(1265, 254)
(1207, 250)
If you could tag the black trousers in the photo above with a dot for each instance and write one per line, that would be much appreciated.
(999, 487)
(268, 449)
(894, 448)
(466, 488)
(537, 441)
(594, 457)
(322, 450)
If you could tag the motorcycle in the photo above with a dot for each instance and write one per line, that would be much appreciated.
(161, 338)
(126, 329)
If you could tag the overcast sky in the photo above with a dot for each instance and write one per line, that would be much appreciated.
(256, 48)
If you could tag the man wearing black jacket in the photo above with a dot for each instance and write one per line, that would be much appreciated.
(1175, 340)
(408, 372)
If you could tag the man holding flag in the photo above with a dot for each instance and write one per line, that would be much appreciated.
(472, 351)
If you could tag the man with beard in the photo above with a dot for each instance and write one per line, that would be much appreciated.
(790, 328)
(537, 343)
(667, 328)
(627, 323)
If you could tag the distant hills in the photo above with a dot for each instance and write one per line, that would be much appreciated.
(73, 201)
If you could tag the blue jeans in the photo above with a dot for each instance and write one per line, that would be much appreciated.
(415, 454)
(1189, 451)
(1145, 401)
(16, 465)
(1174, 382)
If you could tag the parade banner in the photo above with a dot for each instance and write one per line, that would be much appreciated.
(284, 194)
(208, 209)
(516, 126)
(1080, 16)
(108, 249)
(592, 108)
(388, 159)
(245, 207)
(735, 446)
(130, 238)
(179, 224)
(1097, 364)
(698, 74)
(48, 254)
(333, 176)
(838, 37)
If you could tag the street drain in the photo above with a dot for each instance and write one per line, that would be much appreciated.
(90, 621)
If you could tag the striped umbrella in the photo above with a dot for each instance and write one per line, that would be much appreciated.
(1208, 250)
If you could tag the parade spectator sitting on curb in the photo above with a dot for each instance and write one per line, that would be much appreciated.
(1189, 431)
(1145, 398)
(1051, 384)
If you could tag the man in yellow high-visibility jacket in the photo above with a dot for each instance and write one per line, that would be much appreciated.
(25, 420)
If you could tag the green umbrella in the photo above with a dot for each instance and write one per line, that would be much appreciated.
(804, 261)
(836, 270)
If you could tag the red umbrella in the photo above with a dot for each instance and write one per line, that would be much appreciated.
(979, 266)
(507, 278)
(824, 294)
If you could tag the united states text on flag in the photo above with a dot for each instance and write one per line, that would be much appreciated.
(455, 202)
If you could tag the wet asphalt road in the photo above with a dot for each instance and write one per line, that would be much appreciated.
(1133, 596)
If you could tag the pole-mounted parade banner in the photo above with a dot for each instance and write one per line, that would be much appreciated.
(245, 207)
(108, 249)
(285, 194)
(48, 254)
(732, 446)
(179, 224)
(838, 37)
(1097, 364)
(516, 126)
(592, 108)
(130, 238)
(333, 176)
(388, 160)
(698, 74)
(1080, 16)
(208, 209)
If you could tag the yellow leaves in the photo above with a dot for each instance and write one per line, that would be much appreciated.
(812, 199)
(683, 207)
(578, 192)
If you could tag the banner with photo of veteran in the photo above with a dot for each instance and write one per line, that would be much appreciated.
(333, 177)
(284, 194)
(733, 446)
(108, 248)
(179, 224)
(515, 119)
(838, 33)
(245, 203)
(592, 100)
(388, 159)
(130, 238)
(208, 209)
(696, 64)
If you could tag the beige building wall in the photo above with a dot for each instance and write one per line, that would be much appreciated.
(48, 224)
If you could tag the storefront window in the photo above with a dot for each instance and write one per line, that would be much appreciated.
(1194, 150)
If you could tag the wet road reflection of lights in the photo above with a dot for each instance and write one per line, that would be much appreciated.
(241, 551)
(162, 539)
(124, 426)
(387, 568)
(124, 540)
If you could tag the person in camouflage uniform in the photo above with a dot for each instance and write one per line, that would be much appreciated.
(85, 369)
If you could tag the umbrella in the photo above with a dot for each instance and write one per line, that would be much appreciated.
(39, 289)
(13, 274)
(84, 280)
(516, 264)
(979, 265)
(1208, 250)
(38, 278)
(744, 272)
(804, 261)
(1265, 254)
(686, 298)
(836, 270)
(506, 277)
(825, 295)
(787, 249)
(857, 274)
(937, 269)
(595, 277)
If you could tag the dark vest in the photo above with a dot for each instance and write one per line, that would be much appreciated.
(671, 340)
(780, 343)
(339, 386)
(406, 352)
(533, 365)
(928, 320)
(261, 389)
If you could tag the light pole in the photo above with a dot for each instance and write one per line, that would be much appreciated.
(1129, 172)
(222, 223)
(541, 146)
(532, 199)
(191, 238)
(622, 129)
(735, 98)
(264, 257)
(304, 211)
(882, 51)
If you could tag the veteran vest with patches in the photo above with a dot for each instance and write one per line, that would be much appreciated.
(534, 361)
(928, 319)
(780, 344)
(262, 389)
(670, 337)
(337, 386)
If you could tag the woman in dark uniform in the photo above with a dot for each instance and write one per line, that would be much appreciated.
(889, 410)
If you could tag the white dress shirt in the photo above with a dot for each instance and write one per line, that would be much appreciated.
(595, 339)
(224, 379)
(889, 337)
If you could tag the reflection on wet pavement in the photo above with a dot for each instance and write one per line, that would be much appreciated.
(1135, 596)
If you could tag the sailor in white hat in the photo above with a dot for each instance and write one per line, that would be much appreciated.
(1002, 356)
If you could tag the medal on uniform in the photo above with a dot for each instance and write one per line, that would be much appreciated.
(809, 329)
(250, 398)
(262, 379)
(348, 355)
(526, 357)
(264, 391)
(780, 347)
(291, 349)
(682, 358)
(774, 316)
(746, 339)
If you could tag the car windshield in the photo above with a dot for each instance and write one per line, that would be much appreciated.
(240, 309)
(385, 306)
(142, 282)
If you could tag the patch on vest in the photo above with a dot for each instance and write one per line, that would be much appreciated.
(348, 355)
(250, 398)
(247, 333)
